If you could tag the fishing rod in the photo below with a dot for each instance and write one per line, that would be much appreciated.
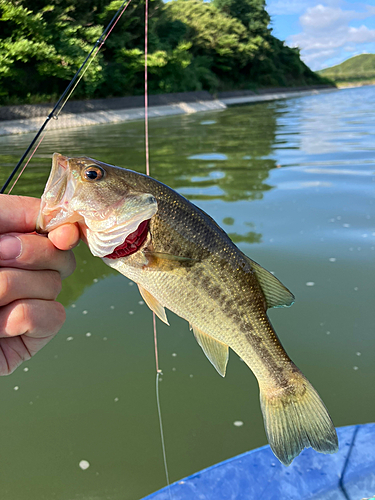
(69, 90)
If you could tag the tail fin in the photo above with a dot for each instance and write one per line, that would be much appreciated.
(296, 418)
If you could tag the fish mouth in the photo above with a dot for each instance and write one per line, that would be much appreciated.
(57, 194)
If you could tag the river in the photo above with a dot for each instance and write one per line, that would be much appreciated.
(292, 182)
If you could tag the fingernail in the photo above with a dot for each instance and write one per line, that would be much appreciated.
(10, 247)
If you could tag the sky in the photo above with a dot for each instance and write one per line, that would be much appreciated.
(326, 31)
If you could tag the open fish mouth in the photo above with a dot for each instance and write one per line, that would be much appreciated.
(113, 216)
(57, 195)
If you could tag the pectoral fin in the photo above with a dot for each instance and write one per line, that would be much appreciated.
(168, 256)
(276, 294)
(167, 262)
(216, 352)
(153, 304)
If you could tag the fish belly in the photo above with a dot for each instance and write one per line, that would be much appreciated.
(176, 292)
(219, 306)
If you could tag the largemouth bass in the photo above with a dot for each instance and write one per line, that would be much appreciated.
(183, 261)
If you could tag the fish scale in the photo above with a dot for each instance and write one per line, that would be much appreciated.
(189, 265)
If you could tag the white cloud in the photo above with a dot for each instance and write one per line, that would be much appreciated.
(327, 33)
(321, 17)
(361, 35)
(282, 7)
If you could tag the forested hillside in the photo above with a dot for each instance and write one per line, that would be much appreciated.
(356, 69)
(193, 45)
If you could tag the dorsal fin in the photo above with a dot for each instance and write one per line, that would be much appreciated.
(216, 352)
(153, 304)
(276, 294)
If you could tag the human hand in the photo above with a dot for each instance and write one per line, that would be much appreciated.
(31, 269)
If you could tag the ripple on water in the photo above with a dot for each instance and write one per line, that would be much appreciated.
(211, 176)
(209, 157)
(206, 192)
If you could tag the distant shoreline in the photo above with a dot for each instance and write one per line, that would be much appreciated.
(29, 118)
(349, 85)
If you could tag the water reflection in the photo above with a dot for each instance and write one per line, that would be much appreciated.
(182, 152)
(226, 166)
(250, 237)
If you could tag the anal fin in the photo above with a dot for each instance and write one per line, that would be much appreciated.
(217, 352)
(153, 304)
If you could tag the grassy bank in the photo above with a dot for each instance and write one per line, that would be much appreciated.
(356, 71)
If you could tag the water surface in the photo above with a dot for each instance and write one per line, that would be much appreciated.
(292, 182)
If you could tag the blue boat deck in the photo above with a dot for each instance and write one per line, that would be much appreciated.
(257, 474)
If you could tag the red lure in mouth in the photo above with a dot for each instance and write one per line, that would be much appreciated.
(132, 243)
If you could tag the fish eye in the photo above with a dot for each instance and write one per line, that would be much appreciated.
(93, 173)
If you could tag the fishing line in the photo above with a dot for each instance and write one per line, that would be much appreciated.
(161, 431)
(158, 374)
(66, 94)
(146, 96)
(158, 370)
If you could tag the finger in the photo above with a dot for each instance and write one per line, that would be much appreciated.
(18, 284)
(36, 319)
(12, 353)
(18, 213)
(65, 237)
(34, 252)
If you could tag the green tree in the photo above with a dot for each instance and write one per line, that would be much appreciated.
(251, 13)
(223, 40)
(193, 45)
(42, 49)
